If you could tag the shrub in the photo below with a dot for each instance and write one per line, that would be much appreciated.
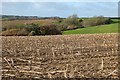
(29, 29)
(62, 27)
(108, 21)
(33, 27)
(72, 21)
(50, 29)
(94, 21)
(80, 20)
(22, 32)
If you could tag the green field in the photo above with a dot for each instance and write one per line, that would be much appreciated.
(109, 28)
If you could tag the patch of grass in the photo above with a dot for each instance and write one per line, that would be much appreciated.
(109, 28)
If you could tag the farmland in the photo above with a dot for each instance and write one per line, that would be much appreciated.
(15, 26)
(73, 56)
(21, 23)
(109, 28)
(60, 40)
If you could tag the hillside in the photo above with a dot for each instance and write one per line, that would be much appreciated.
(109, 28)
(73, 56)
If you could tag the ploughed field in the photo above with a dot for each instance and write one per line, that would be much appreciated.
(68, 56)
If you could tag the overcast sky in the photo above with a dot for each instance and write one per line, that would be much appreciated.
(61, 9)
(60, 0)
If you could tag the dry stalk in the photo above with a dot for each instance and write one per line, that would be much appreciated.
(102, 64)
(9, 75)
(59, 71)
(7, 61)
(27, 60)
(30, 64)
(34, 72)
(12, 61)
(53, 53)
(12, 66)
(79, 74)
(21, 59)
(72, 73)
(112, 73)
(65, 72)
(50, 76)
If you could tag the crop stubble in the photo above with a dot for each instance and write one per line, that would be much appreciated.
(74, 56)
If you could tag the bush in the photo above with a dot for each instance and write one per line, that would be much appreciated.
(62, 27)
(50, 29)
(22, 32)
(29, 29)
(108, 21)
(94, 21)
(80, 20)
(72, 22)
(33, 27)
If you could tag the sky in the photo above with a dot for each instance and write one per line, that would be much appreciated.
(61, 9)
(60, 0)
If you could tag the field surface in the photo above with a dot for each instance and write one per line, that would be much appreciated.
(20, 23)
(109, 28)
(73, 56)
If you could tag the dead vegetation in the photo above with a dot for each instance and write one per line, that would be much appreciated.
(69, 56)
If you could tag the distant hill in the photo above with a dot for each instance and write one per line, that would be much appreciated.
(13, 17)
